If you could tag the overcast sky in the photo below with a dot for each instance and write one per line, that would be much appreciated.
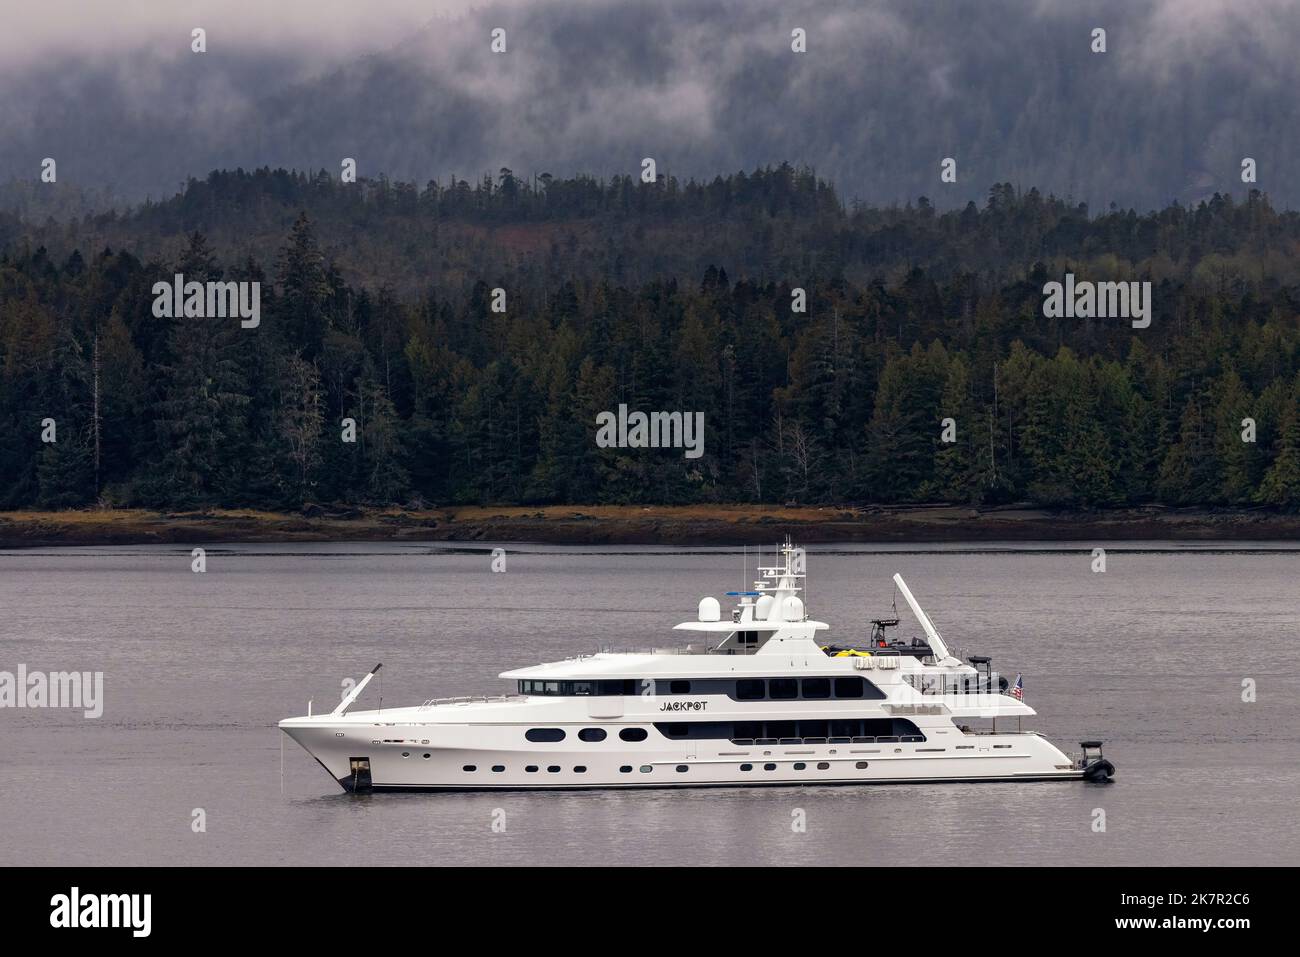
(1010, 88)
(33, 30)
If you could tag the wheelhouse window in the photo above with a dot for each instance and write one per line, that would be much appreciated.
(620, 686)
(567, 688)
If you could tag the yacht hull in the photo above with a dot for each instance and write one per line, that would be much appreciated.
(421, 759)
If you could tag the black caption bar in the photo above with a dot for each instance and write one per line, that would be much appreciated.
(303, 906)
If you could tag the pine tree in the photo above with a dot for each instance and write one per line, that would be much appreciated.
(1281, 484)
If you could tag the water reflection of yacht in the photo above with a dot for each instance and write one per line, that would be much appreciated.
(756, 700)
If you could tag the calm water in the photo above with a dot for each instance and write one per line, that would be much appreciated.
(1149, 656)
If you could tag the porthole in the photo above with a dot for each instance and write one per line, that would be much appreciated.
(799, 765)
(822, 765)
(683, 768)
(553, 769)
(580, 769)
(592, 735)
(769, 767)
(406, 754)
(626, 769)
(860, 765)
(470, 767)
(646, 769)
(427, 755)
(531, 769)
(498, 768)
(633, 734)
(746, 767)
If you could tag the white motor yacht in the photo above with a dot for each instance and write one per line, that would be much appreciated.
(755, 699)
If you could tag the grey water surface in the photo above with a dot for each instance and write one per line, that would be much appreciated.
(1149, 656)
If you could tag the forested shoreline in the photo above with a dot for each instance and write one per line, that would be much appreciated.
(377, 306)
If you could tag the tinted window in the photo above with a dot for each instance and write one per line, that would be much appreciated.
(848, 687)
(583, 687)
(541, 735)
(633, 734)
(674, 730)
(679, 687)
(783, 688)
(621, 686)
(498, 768)
(592, 734)
(816, 687)
(749, 689)
(812, 729)
(749, 729)
(782, 729)
(683, 768)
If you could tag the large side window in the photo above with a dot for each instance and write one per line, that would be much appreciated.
(749, 689)
(848, 687)
(783, 688)
(816, 687)
(544, 735)
(855, 686)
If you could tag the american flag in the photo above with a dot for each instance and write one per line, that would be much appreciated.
(1018, 689)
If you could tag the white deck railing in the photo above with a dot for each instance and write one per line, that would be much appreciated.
(469, 699)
